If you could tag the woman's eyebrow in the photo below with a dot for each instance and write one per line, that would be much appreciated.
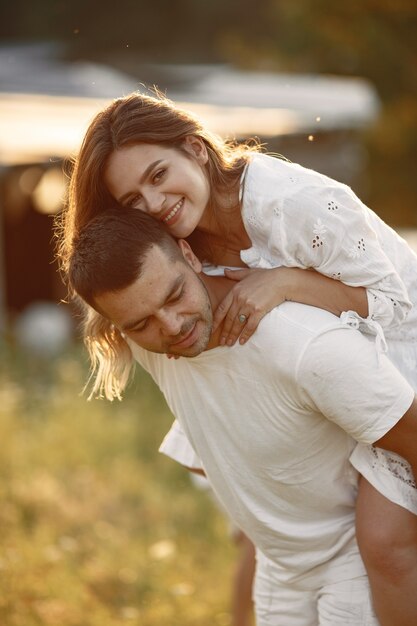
(142, 179)
(149, 170)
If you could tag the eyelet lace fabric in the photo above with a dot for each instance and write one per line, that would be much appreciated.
(300, 218)
(388, 473)
(394, 464)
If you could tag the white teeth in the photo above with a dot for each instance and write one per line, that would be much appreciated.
(174, 211)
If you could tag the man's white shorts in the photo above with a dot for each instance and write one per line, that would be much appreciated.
(343, 603)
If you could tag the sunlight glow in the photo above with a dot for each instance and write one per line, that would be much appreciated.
(36, 128)
(49, 193)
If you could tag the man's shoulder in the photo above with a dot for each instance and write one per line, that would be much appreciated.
(292, 317)
(288, 331)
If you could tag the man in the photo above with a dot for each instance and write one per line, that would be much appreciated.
(273, 421)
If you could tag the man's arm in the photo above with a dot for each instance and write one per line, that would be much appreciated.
(402, 438)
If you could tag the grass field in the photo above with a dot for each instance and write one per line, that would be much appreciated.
(97, 528)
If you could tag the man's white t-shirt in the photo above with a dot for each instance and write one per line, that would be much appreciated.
(274, 422)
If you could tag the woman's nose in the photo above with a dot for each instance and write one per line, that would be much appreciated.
(155, 202)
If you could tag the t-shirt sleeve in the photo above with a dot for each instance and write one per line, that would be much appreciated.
(343, 376)
(177, 446)
(323, 225)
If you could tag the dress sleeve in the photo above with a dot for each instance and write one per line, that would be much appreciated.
(177, 446)
(323, 225)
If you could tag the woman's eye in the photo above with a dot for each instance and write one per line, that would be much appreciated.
(159, 175)
(134, 202)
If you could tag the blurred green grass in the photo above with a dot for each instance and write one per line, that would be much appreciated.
(97, 528)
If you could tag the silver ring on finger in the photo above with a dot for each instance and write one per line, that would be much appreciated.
(242, 318)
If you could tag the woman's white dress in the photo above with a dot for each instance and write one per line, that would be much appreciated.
(299, 218)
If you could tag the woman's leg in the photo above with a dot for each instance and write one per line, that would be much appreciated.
(387, 539)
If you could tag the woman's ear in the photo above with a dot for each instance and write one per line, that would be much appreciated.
(196, 148)
(189, 255)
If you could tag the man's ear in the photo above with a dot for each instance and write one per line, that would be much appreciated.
(189, 255)
(196, 148)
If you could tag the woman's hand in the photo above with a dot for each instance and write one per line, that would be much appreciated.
(256, 293)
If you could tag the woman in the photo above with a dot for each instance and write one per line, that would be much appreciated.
(242, 208)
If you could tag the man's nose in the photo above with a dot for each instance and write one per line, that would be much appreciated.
(170, 323)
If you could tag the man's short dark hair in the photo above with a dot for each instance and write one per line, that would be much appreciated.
(108, 253)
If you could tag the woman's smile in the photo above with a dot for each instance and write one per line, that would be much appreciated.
(168, 183)
(173, 213)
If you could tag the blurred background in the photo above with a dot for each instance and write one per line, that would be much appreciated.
(96, 527)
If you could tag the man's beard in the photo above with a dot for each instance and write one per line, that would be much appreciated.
(205, 318)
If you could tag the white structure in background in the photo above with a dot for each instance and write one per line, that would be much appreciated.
(46, 105)
(338, 102)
